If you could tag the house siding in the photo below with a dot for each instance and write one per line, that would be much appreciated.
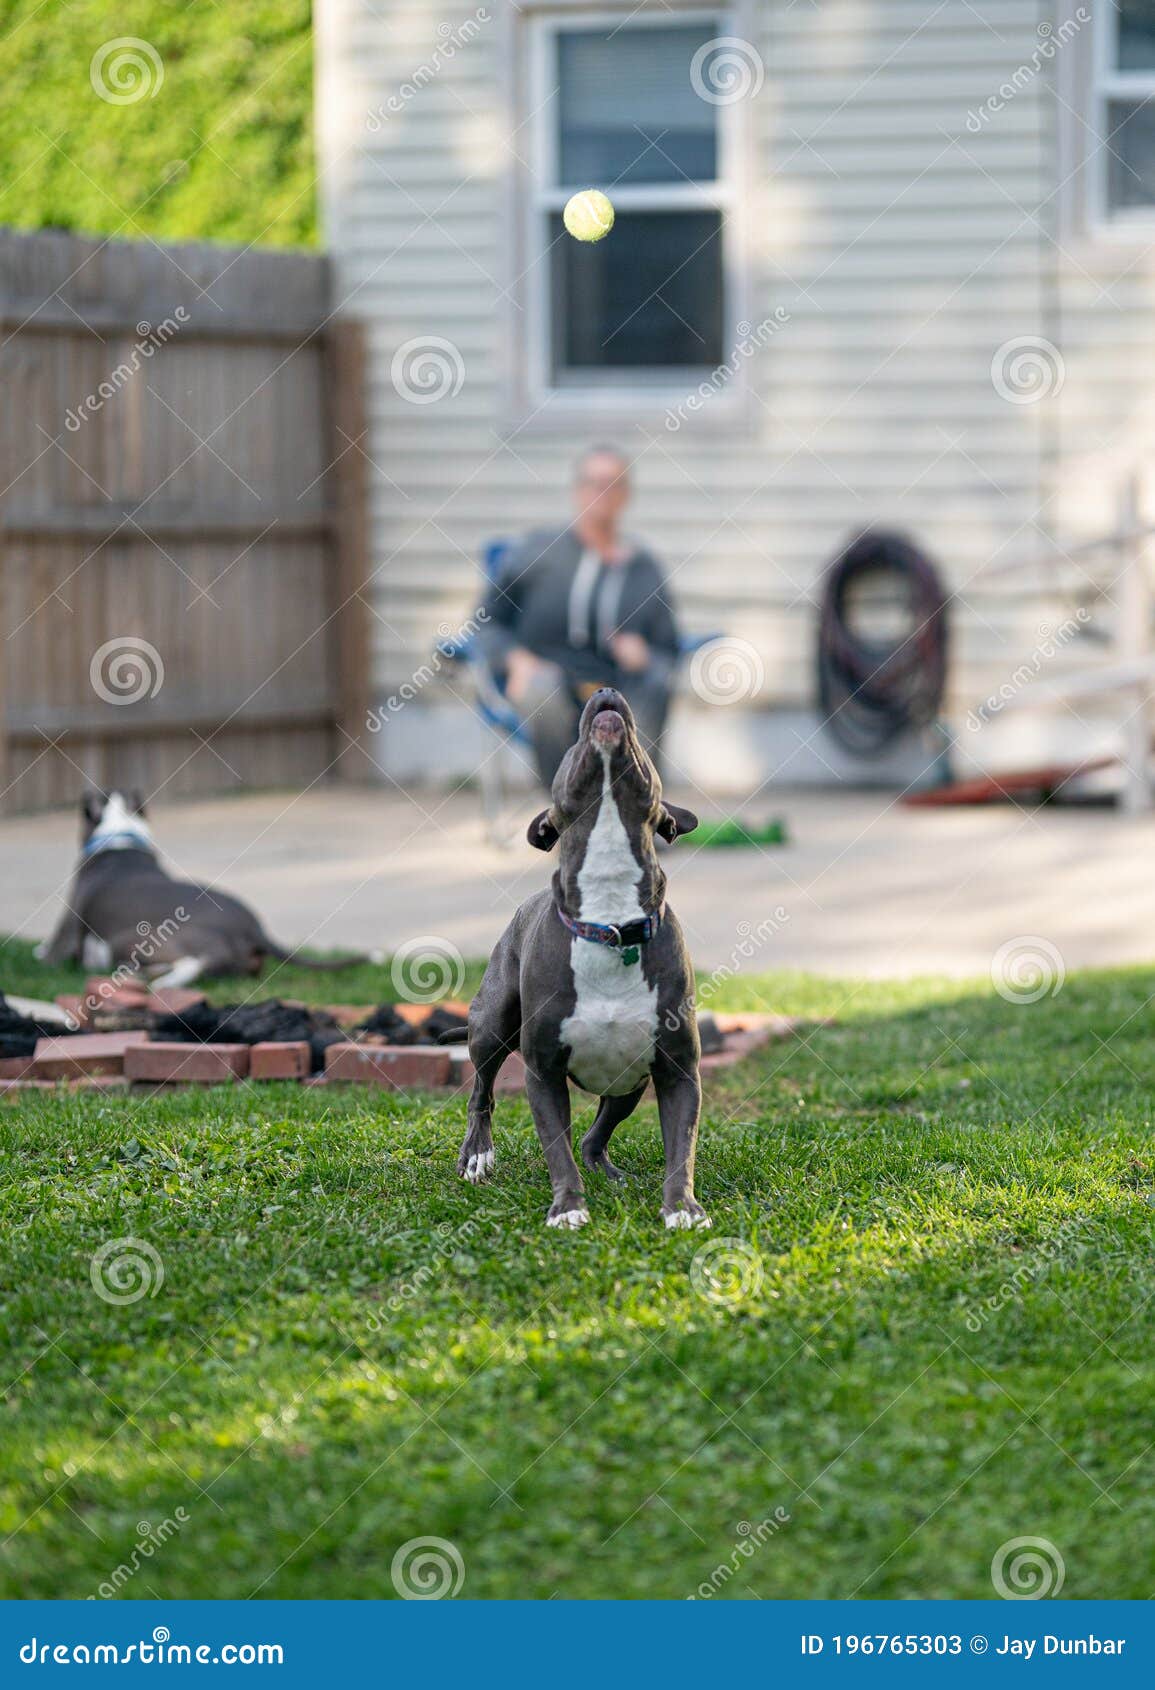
(903, 248)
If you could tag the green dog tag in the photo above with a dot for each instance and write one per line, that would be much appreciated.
(630, 954)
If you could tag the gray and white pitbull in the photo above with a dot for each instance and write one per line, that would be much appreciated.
(591, 979)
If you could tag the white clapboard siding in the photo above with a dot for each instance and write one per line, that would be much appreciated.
(902, 244)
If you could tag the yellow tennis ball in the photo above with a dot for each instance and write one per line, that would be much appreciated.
(588, 216)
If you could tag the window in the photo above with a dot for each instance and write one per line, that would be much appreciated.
(1125, 116)
(614, 104)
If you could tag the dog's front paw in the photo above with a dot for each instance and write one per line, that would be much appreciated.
(476, 1165)
(688, 1214)
(568, 1210)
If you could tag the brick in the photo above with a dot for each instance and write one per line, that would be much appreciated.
(174, 1000)
(203, 1065)
(76, 1008)
(292, 1060)
(417, 1013)
(510, 1080)
(396, 1066)
(123, 994)
(15, 1067)
(78, 1054)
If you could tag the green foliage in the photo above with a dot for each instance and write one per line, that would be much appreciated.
(948, 1343)
(221, 150)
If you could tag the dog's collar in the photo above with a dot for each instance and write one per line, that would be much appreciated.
(122, 841)
(625, 938)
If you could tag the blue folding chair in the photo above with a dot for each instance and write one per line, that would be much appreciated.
(491, 704)
(493, 707)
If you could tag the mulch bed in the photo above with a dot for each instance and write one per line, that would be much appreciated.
(127, 1036)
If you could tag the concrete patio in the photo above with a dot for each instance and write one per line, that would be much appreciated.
(864, 888)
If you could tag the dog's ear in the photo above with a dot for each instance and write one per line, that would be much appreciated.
(136, 801)
(673, 822)
(92, 807)
(542, 831)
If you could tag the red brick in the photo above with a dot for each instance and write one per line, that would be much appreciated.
(204, 1065)
(83, 1053)
(396, 1066)
(15, 1067)
(76, 1008)
(511, 1079)
(280, 1061)
(174, 1000)
(123, 994)
(418, 1013)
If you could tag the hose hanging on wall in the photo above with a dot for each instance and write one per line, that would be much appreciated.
(871, 688)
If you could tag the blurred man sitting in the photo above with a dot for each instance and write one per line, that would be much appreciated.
(582, 608)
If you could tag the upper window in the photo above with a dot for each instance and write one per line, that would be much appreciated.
(1126, 109)
(617, 105)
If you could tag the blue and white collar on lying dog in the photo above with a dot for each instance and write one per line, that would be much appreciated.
(625, 938)
(124, 839)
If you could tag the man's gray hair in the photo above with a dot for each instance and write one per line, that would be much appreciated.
(601, 451)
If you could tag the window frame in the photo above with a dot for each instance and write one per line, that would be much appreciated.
(1109, 83)
(632, 394)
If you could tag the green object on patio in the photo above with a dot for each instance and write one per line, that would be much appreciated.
(730, 831)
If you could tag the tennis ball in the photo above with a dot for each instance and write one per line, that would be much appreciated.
(588, 216)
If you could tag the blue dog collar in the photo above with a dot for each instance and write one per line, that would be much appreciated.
(625, 938)
(123, 841)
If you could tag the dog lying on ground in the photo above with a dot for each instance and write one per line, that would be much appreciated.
(124, 908)
(591, 979)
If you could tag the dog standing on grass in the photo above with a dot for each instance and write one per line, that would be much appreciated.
(591, 980)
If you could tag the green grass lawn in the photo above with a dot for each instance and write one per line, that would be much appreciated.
(940, 1211)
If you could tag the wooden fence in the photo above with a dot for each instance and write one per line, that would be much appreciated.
(182, 521)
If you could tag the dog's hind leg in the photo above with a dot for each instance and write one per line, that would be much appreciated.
(494, 1031)
(612, 1111)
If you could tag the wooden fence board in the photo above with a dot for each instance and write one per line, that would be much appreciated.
(176, 491)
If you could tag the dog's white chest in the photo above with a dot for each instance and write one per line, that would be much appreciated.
(613, 1028)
